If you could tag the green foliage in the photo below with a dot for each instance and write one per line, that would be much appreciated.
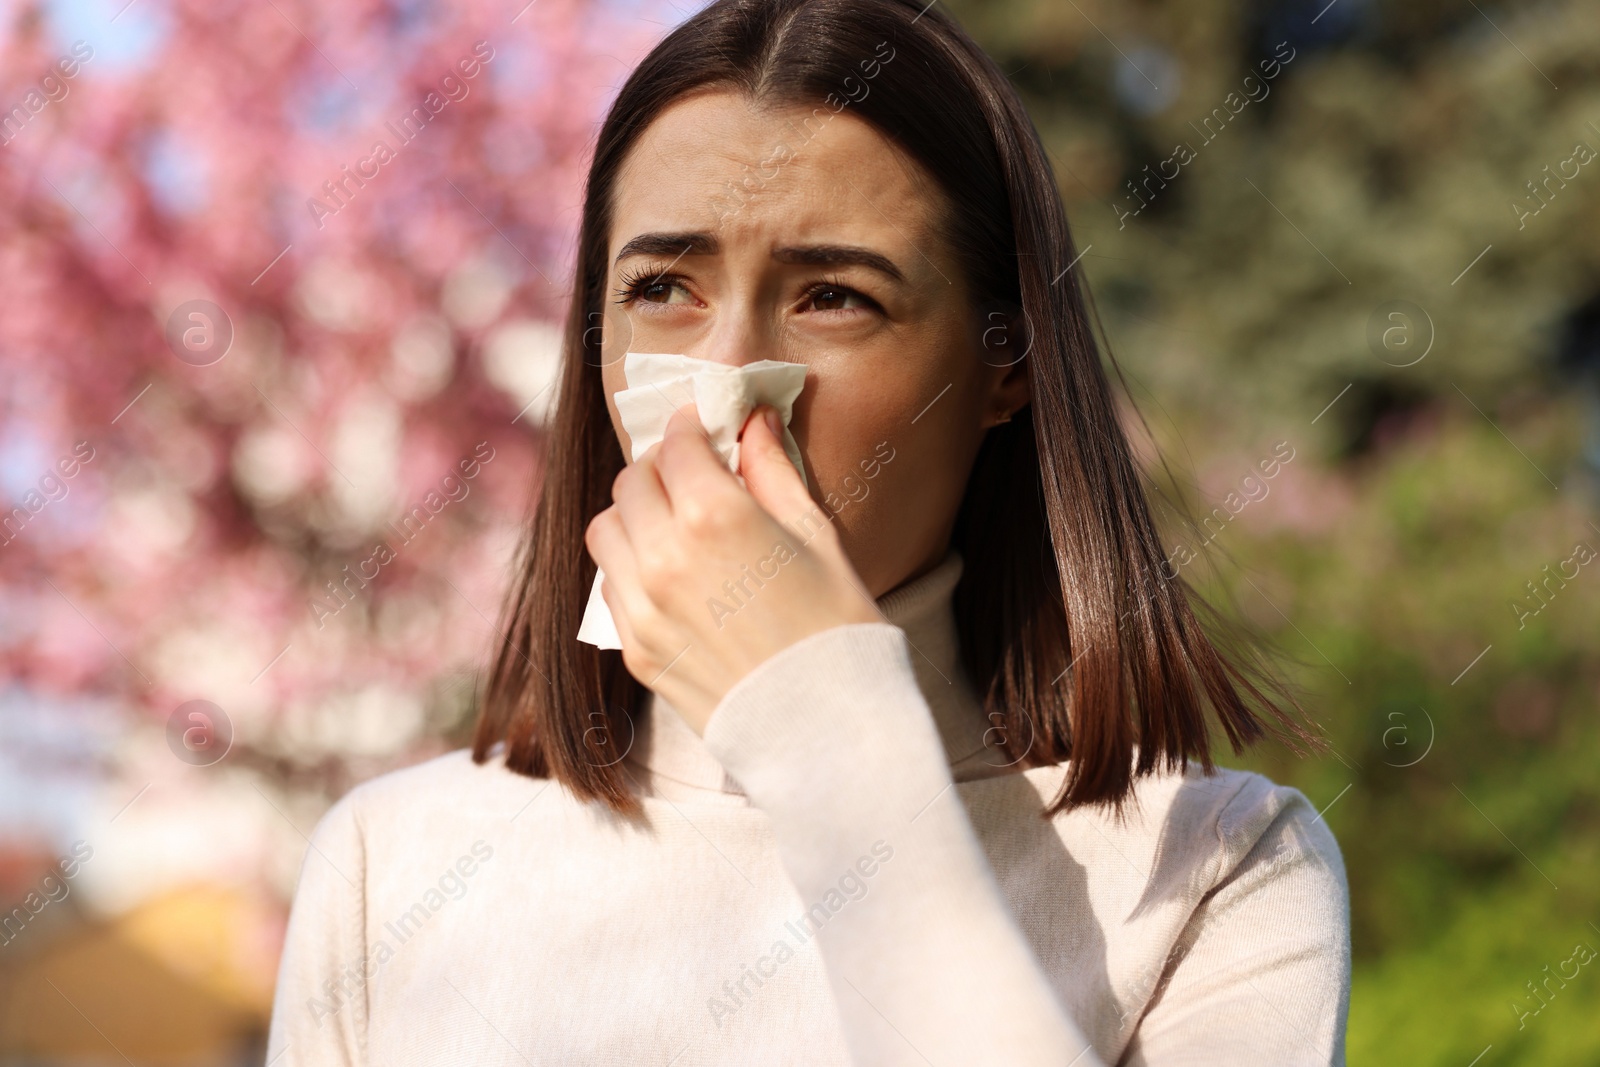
(1387, 558)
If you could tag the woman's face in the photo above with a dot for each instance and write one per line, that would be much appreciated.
(742, 233)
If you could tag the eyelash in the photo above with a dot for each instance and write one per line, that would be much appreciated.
(634, 281)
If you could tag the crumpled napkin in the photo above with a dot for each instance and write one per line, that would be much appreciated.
(723, 395)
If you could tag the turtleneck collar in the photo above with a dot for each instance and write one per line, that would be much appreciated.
(671, 752)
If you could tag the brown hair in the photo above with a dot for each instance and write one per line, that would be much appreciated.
(1063, 566)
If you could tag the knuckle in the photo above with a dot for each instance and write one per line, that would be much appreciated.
(660, 565)
(637, 663)
(700, 517)
(648, 622)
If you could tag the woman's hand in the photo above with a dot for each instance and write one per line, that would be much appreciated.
(705, 578)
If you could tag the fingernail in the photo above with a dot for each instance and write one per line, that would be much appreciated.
(774, 423)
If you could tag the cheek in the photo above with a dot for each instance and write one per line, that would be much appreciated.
(916, 387)
(838, 417)
(613, 329)
(889, 439)
(860, 443)
(612, 381)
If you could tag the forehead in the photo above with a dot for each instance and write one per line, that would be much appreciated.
(718, 162)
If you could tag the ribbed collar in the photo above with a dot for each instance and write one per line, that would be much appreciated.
(669, 749)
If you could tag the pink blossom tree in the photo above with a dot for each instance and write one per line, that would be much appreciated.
(279, 283)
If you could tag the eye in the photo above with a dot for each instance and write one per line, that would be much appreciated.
(831, 296)
(653, 286)
(831, 299)
(663, 292)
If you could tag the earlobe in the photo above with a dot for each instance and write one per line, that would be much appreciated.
(1005, 413)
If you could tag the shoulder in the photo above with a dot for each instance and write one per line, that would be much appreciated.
(1244, 825)
(1261, 930)
(451, 770)
(442, 791)
(1269, 864)
(1190, 833)
(1271, 833)
(1244, 814)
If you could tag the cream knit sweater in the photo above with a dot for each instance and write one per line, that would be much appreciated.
(842, 871)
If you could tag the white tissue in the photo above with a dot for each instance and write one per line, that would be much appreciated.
(723, 395)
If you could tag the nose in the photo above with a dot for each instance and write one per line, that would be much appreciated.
(740, 333)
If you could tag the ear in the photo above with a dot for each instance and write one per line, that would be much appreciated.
(1005, 339)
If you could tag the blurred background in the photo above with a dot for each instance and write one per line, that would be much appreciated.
(1352, 243)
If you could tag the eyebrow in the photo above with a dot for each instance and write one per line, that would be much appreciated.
(839, 256)
(669, 244)
(705, 244)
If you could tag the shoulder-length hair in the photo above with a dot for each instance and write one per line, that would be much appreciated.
(1076, 633)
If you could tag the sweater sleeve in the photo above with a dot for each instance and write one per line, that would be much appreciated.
(319, 1011)
(833, 740)
(1261, 972)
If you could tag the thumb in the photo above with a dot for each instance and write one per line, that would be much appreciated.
(767, 471)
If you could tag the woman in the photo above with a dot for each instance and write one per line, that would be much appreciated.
(934, 784)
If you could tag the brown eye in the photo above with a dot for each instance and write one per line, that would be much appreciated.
(656, 289)
(826, 297)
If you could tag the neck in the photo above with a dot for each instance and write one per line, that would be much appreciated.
(667, 748)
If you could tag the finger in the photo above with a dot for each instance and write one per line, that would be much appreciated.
(641, 500)
(690, 469)
(772, 478)
(608, 543)
(619, 617)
